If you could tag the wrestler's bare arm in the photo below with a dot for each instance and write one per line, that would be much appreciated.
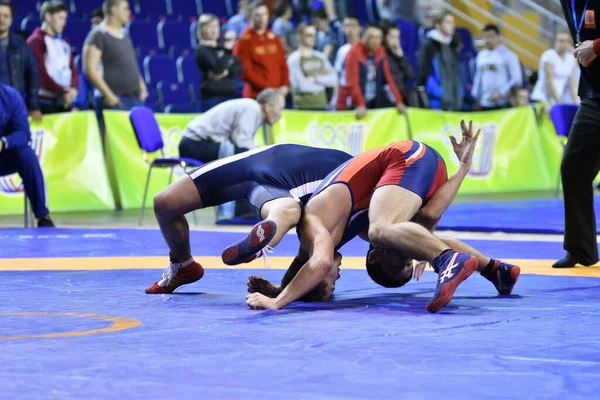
(321, 250)
(444, 196)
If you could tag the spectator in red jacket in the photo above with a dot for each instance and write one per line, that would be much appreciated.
(262, 55)
(59, 78)
(368, 77)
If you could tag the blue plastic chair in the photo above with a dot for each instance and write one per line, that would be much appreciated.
(184, 8)
(562, 116)
(149, 137)
(143, 33)
(187, 70)
(159, 68)
(173, 33)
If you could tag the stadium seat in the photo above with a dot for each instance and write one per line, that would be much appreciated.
(184, 8)
(152, 100)
(143, 33)
(187, 70)
(362, 10)
(180, 108)
(468, 48)
(30, 23)
(26, 7)
(177, 50)
(173, 93)
(221, 9)
(193, 36)
(409, 37)
(76, 31)
(173, 33)
(159, 68)
(85, 8)
(154, 9)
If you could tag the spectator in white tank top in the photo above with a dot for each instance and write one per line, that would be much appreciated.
(557, 77)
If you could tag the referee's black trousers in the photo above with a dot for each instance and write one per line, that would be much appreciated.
(579, 167)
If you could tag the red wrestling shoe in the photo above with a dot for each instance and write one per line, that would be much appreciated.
(250, 248)
(177, 274)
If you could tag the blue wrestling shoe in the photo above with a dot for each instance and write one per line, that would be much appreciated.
(504, 276)
(252, 245)
(452, 268)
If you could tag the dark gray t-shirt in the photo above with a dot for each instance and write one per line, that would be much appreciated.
(118, 64)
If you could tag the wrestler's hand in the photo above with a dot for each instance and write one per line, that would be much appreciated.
(256, 284)
(464, 149)
(257, 301)
(419, 269)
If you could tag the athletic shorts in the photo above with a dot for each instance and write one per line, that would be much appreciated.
(409, 164)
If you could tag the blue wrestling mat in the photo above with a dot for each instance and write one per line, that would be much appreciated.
(525, 216)
(75, 323)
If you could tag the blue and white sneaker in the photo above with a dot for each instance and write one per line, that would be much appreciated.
(251, 247)
(453, 268)
(504, 276)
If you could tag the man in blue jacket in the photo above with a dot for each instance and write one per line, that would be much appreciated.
(18, 67)
(17, 156)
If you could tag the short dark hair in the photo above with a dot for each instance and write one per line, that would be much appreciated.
(440, 19)
(109, 5)
(491, 27)
(374, 26)
(387, 26)
(515, 89)
(318, 13)
(379, 275)
(302, 27)
(8, 4)
(255, 5)
(281, 8)
(352, 16)
(52, 7)
(98, 13)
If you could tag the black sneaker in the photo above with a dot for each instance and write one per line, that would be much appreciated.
(45, 222)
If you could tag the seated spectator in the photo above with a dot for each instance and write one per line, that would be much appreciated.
(18, 67)
(400, 68)
(558, 72)
(110, 62)
(439, 71)
(219, 68)
(59, 78)
(82, 101)
(497, 69)
(326, 37)
(262, 55)
(367, 71)
(352, 29)
(283, 27)
(239, 22)
(311, 73)
(17, 156)
(519, 96)
(229, 129)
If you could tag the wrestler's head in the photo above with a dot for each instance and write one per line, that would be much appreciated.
(388, 268)
(325, 289)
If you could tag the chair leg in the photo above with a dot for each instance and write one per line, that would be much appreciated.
(171, 176)
(145, 194)
(26, 216)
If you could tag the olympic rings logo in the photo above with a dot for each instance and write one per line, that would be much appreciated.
(483, 157)
(349, 138)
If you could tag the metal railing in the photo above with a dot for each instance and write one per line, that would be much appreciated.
(526, 53)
